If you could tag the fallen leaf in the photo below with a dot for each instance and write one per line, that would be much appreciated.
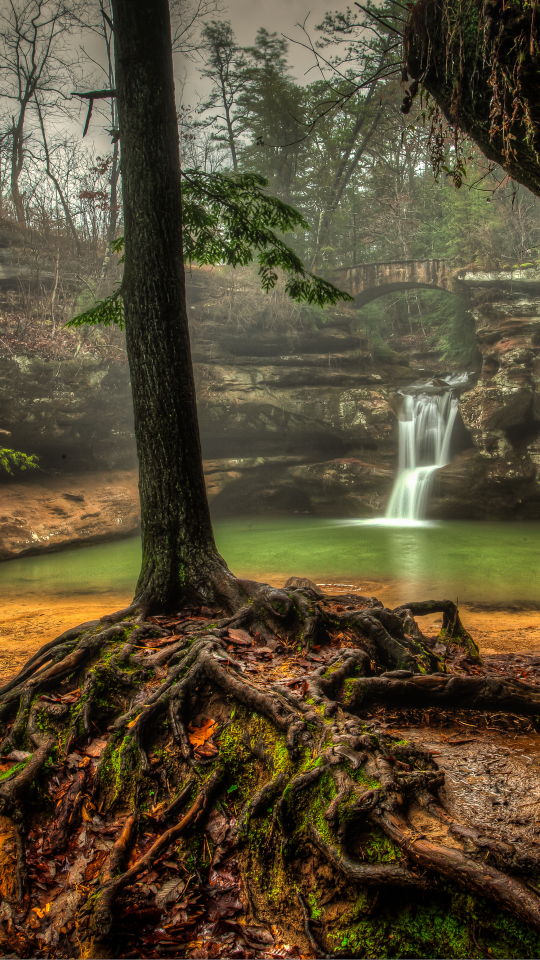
(85, 815)
(199, 735)
(224, 905)
(41, 913)
(217, 826)
(95, 866)
(241, 637)
(96, 748)
(207, 749)
(18, 755)
(70, 697)
(170, 891)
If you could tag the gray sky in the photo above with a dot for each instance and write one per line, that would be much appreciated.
(247, 16)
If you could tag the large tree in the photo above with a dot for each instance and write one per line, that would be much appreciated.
(180, 559)
(113, 729)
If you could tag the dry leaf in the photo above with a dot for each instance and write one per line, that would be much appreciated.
(96, 748)
(18, 755)
(170, 891)
(70, 697)
(41, 913)
(242, 637)
(85, 815)
(199, 735)
(207, 749)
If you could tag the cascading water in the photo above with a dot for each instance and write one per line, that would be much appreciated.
(425, 429)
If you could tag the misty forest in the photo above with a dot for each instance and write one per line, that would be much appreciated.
(269, 479)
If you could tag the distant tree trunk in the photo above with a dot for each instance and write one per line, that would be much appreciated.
(230, 133)
(180, 564)
(65, 207)
(115, 173)
(17, 158)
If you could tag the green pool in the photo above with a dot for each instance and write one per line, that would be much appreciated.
(472, 561)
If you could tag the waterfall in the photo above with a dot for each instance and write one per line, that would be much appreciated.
(425, 430)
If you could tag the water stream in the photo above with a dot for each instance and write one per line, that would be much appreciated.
(426, 423)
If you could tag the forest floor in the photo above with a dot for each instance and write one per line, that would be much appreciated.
(26, 624)
(319, 817)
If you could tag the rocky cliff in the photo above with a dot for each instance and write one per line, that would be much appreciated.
(298, 419)
(500, 477)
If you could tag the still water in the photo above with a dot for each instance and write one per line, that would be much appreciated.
(472, 561)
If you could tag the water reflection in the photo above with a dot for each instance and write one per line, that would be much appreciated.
(478, 561)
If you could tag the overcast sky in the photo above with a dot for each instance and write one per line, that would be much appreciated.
(281, 16)
(246, 16)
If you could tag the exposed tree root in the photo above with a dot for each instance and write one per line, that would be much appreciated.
(257, 721)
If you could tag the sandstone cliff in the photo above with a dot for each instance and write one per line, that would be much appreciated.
(295, 416)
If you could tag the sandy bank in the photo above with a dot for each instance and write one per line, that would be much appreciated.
(26, 625)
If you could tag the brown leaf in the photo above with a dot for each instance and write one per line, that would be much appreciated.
(95, 866)
(170, 892)
(70, 697)
(18, 755)
(207, 749)
(217, 826)
(96, 748)
(240, 637)
(225, 905)
(199, 735)
(63, 789)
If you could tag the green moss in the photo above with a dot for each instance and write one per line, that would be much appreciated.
(16, 768)
(361, 777)
(312, 805)
(379, 848)
(316, 911)
(447, 923)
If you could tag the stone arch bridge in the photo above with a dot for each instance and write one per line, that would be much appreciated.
(368, 281)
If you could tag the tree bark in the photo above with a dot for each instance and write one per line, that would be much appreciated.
(180, 560)
(17, 159)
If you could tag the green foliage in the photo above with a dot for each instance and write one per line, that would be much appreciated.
(231, 220)
(14, 458)
(438, 318)
(108, 311)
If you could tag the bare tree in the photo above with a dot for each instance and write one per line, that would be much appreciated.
(35, 62)
(55, 180)
(186, 19)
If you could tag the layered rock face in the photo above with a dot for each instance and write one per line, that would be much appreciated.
(75, 414)
(500, 479)
(311, 423)
(303, 421)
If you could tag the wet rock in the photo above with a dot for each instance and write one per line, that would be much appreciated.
(49, 514)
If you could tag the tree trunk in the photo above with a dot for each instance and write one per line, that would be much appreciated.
(115, 173)
(17, 155)
(180, 560)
